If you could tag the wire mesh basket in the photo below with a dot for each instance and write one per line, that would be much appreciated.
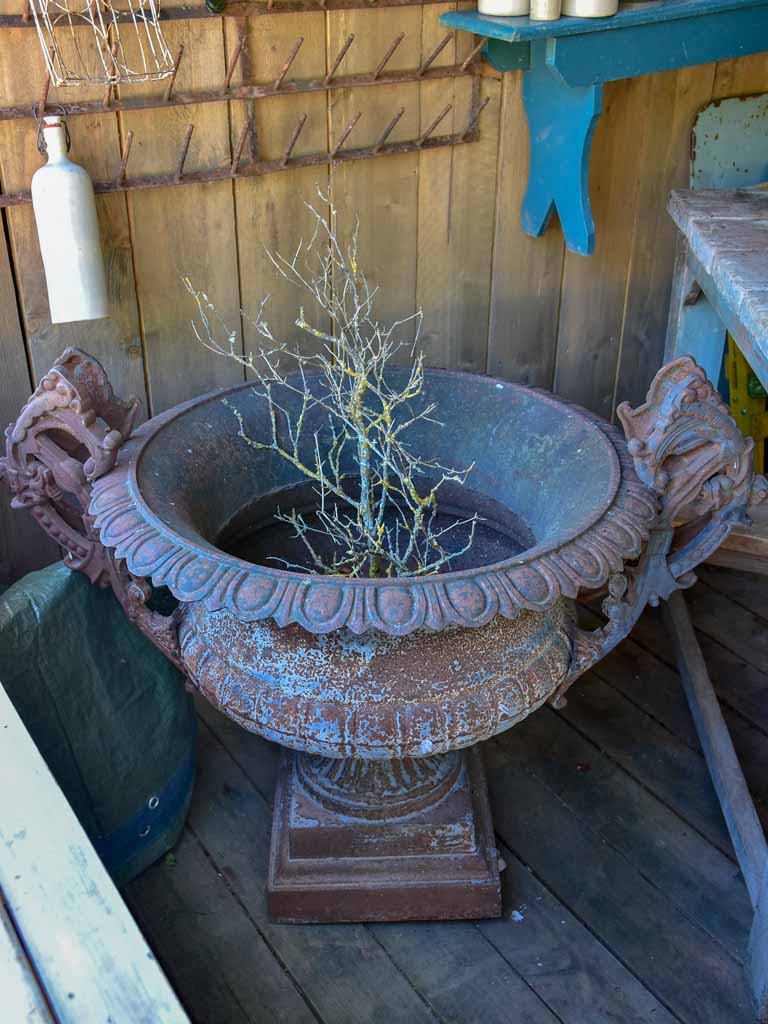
(102, 42)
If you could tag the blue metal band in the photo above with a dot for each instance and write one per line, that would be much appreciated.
(153, 818)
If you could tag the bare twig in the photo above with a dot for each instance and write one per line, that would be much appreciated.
(346, 430)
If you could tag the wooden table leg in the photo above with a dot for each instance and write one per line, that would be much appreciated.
(694, 327)
(758, 953)
(738, 809)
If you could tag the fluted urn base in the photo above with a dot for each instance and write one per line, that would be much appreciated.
(379, 840)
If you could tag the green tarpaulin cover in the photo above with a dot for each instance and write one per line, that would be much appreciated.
(109, 714)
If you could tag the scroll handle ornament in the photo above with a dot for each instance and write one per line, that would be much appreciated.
(67, 435)
(686, 447)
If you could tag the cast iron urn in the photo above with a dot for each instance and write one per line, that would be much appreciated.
(381, 690)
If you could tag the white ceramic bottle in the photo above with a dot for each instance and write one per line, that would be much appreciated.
(68, 229)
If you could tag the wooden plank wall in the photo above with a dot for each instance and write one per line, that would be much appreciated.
(440, 229)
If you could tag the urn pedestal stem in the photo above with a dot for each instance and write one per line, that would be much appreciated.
(358, 839)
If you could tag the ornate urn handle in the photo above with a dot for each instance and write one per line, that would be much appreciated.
(67, 435)
(685, 446)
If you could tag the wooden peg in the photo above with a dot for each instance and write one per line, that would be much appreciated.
(172, 77)
(473, 53)
(474, 118)
(184, 151)
(434, 124)
(435, 54)
(294, 138)
(345, 134)
(388, 130)
(44, 93)
(286, 66)
(387, 56)
(107, 98)
(342, 53)
(124, 158)
(233, 62)
(239, 148)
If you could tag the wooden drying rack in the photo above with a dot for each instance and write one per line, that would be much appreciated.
(280, 86)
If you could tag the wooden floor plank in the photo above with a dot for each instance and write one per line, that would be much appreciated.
(460, 973)
(740, 683)
(698, 879)
(572, 971)
(734, 627)
(676, 774)
(339, 968)
(655, 687)
(748, 589)
(678, 962)
(214, 955)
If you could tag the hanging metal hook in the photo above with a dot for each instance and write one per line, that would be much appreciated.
(56, 111)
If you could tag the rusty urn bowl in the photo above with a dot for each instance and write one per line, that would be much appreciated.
(381, 689)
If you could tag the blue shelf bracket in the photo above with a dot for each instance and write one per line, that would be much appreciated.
(565, 64)
(561, 121)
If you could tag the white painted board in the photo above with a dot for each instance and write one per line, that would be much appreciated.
(91, 959)
(21, 1000)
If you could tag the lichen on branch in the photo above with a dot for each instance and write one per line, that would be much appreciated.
(383, 519)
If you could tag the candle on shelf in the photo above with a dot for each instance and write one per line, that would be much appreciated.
(504, 8)
(590, 8)
(545, 10)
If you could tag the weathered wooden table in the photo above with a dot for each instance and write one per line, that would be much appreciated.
(721, 277)
(721, 284)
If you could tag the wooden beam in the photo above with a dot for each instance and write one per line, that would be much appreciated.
(728, 779)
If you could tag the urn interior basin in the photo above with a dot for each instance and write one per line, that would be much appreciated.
(542, 474)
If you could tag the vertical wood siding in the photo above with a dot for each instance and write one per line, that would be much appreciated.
(439, 229)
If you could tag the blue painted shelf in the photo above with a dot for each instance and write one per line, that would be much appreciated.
(565, 64)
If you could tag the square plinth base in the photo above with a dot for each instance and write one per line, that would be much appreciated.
(433, 865)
